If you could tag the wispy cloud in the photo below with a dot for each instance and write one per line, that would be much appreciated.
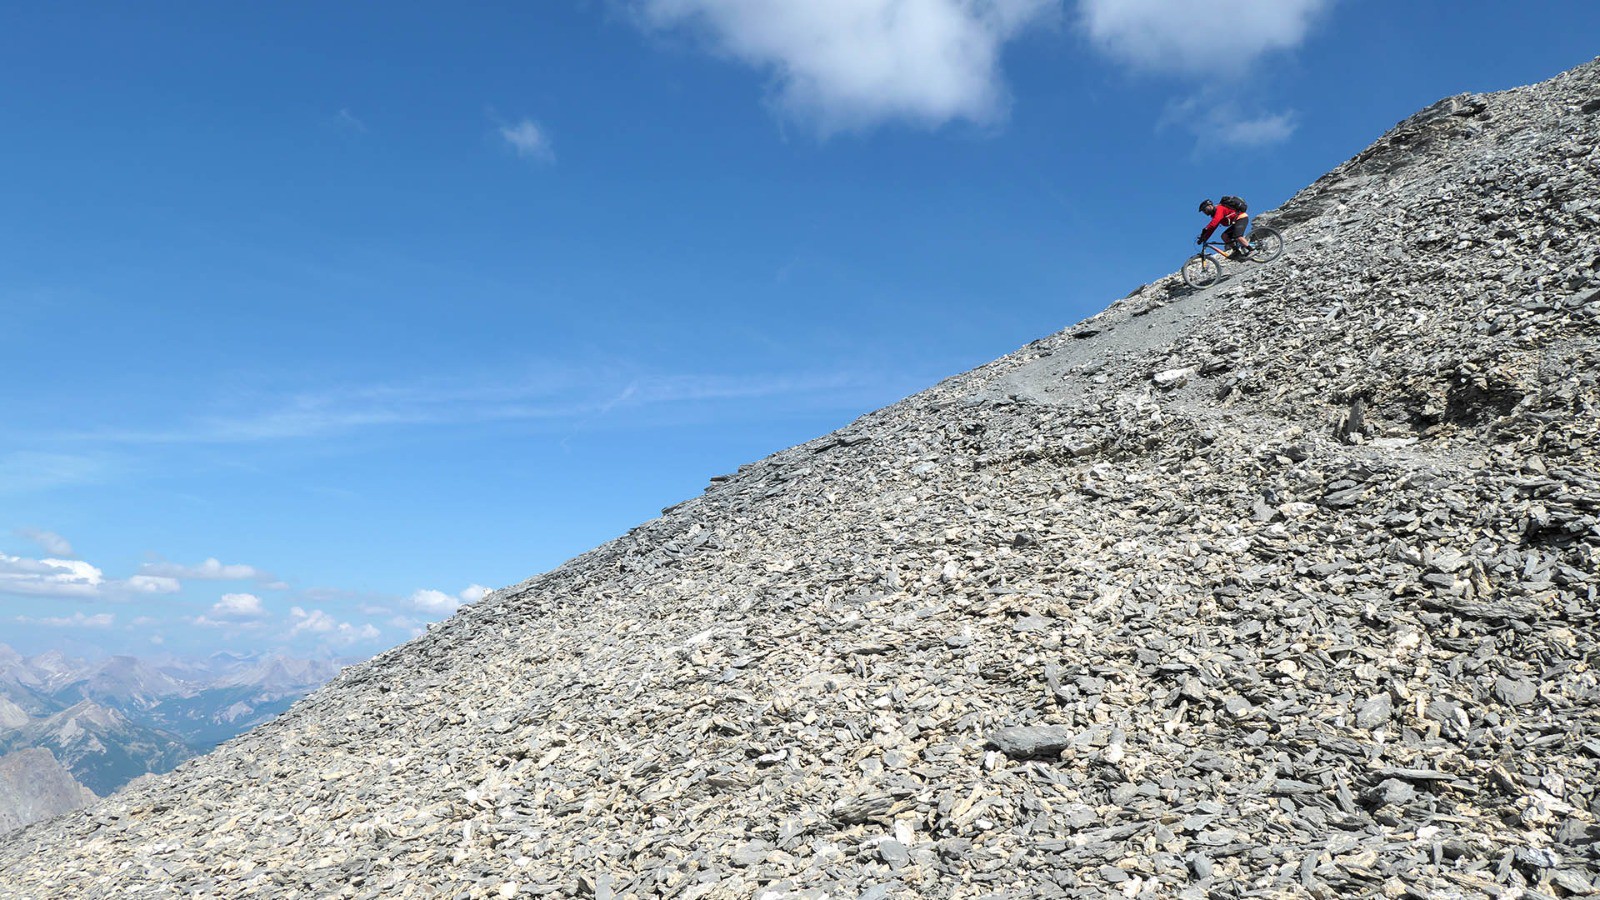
(27, 471)
(529, 140)
(50, 542)
(348, 121)
(1217, 122)
(1182, 37)
(839, 65)
(1260, 131)
(409, 626)
(564, 397)
(356, 407)
(153, 584)
(76, 620)
(212, 569)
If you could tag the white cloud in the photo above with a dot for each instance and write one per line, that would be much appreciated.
(1181, 36)
(52, 543)
(1217, 122)
(315, 621)
(406, 623)
(847, 64)
(53, 577)
(439, 603)
(152, 584)
(435, 602)
(76, 620)
(210, 570)
(320, 623)
(529, 141)
(49, 577)
(238, 606)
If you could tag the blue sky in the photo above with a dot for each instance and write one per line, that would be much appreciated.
(322, 317)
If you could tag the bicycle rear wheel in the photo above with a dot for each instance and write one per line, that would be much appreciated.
(1201, 271)
(1266, 244)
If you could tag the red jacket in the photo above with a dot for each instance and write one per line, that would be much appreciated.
(1223, 216)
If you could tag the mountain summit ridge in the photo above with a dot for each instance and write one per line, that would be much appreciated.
(1285, 587)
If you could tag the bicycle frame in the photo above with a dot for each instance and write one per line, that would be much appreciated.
(1217, 249)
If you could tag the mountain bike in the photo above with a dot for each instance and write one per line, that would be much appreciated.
(1203, 269)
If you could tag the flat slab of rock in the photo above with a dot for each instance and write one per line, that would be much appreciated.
(1032, 741)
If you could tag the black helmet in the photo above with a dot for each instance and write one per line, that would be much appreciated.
(1207, 206)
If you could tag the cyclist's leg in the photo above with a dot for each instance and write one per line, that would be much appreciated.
(1234, 237)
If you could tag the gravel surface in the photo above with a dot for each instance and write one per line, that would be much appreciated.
(1283, 588)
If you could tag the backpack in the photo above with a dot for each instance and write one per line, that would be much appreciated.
(1233, 203)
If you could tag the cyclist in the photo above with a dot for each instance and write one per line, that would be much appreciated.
(1237, 221)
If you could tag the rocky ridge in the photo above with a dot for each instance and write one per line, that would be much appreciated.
(1282, 588)
(33, 786)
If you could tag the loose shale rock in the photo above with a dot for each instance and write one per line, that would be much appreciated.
(1315, 617)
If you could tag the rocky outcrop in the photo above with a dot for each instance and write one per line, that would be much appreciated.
(33, 786)
(1315, 617)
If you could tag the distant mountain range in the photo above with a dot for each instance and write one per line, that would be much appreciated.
(108, 721)
(102, 748)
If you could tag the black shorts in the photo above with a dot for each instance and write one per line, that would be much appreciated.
(1236, 230)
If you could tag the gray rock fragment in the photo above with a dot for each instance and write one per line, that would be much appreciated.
(1390, 791)
(894, 853)
(1374, 712)
(1515, 691)
(1030, 741)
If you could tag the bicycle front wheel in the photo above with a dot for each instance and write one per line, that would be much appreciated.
(1266, 244)
(1201, 271)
